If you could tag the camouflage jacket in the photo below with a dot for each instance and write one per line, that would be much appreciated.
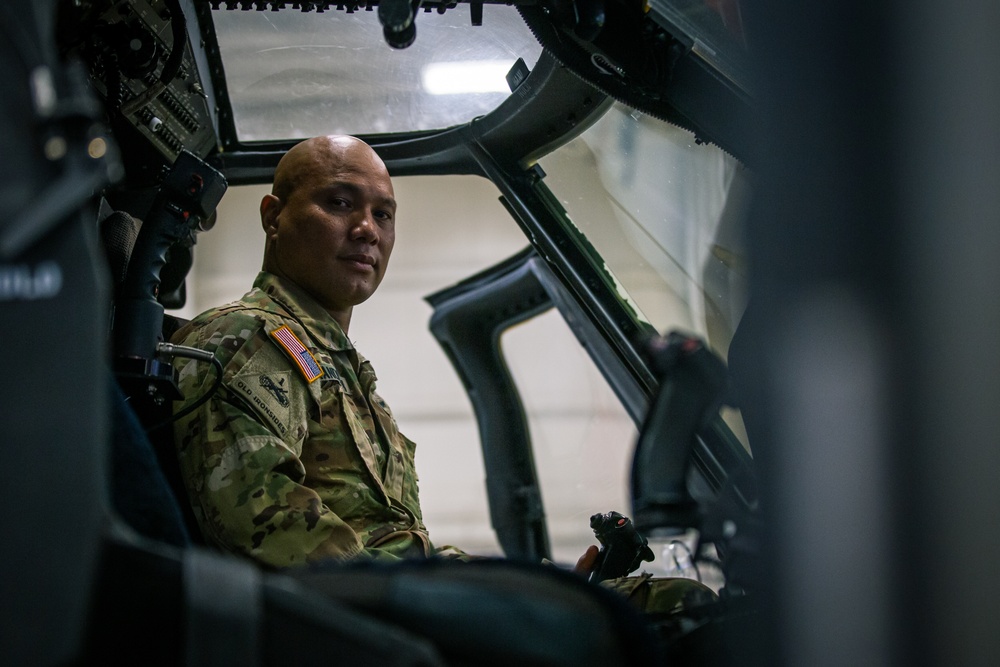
(295, 458)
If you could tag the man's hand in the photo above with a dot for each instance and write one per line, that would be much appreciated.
(587, 561)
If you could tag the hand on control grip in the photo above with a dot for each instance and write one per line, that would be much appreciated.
(623, 549)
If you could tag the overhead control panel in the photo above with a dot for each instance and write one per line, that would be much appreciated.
(142, 64)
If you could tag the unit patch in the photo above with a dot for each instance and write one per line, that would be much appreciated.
(267, 394)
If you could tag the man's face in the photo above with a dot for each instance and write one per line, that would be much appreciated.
(333, 232)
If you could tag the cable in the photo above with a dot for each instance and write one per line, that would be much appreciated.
(678, 565)
(171, 350)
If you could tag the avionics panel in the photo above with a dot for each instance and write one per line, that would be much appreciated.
(129, 48)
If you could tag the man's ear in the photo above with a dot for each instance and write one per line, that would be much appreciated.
(270, 207)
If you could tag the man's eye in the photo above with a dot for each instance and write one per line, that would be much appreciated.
(340, 202)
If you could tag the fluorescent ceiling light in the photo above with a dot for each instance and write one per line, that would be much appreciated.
(466, 76)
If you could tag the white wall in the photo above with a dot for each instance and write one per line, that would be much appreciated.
(447, 229)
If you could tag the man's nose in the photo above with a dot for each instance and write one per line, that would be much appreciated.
(364, 227)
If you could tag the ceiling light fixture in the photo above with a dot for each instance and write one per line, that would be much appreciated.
(466, 76)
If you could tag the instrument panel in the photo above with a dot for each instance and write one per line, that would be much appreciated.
(142, 65)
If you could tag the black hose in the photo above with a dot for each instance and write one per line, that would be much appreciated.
(217, 365)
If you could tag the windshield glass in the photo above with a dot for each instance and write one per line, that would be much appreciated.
(665, 214)
(293, 74)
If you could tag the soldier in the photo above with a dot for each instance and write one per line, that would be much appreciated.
(296, 458)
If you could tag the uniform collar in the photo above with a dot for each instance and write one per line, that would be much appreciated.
(318, 323)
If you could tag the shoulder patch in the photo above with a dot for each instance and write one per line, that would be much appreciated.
(267, 394)
(297, 352)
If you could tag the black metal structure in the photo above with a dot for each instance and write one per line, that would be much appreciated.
(468, 321)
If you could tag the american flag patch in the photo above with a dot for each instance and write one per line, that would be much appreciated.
(298, 352)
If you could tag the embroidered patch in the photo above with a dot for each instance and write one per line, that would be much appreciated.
(298, 353)
(279, 392)
(268, 396)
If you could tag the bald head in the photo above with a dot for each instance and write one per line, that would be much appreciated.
(330, 221)
(312, 157)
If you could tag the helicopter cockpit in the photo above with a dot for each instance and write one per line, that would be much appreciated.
(608, 290)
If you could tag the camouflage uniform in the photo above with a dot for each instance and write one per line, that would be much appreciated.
(287, 470)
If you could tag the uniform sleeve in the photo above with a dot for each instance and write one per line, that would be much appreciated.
(246, 483)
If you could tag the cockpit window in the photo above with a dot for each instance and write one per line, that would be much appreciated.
(293, 74)
(664, 213)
